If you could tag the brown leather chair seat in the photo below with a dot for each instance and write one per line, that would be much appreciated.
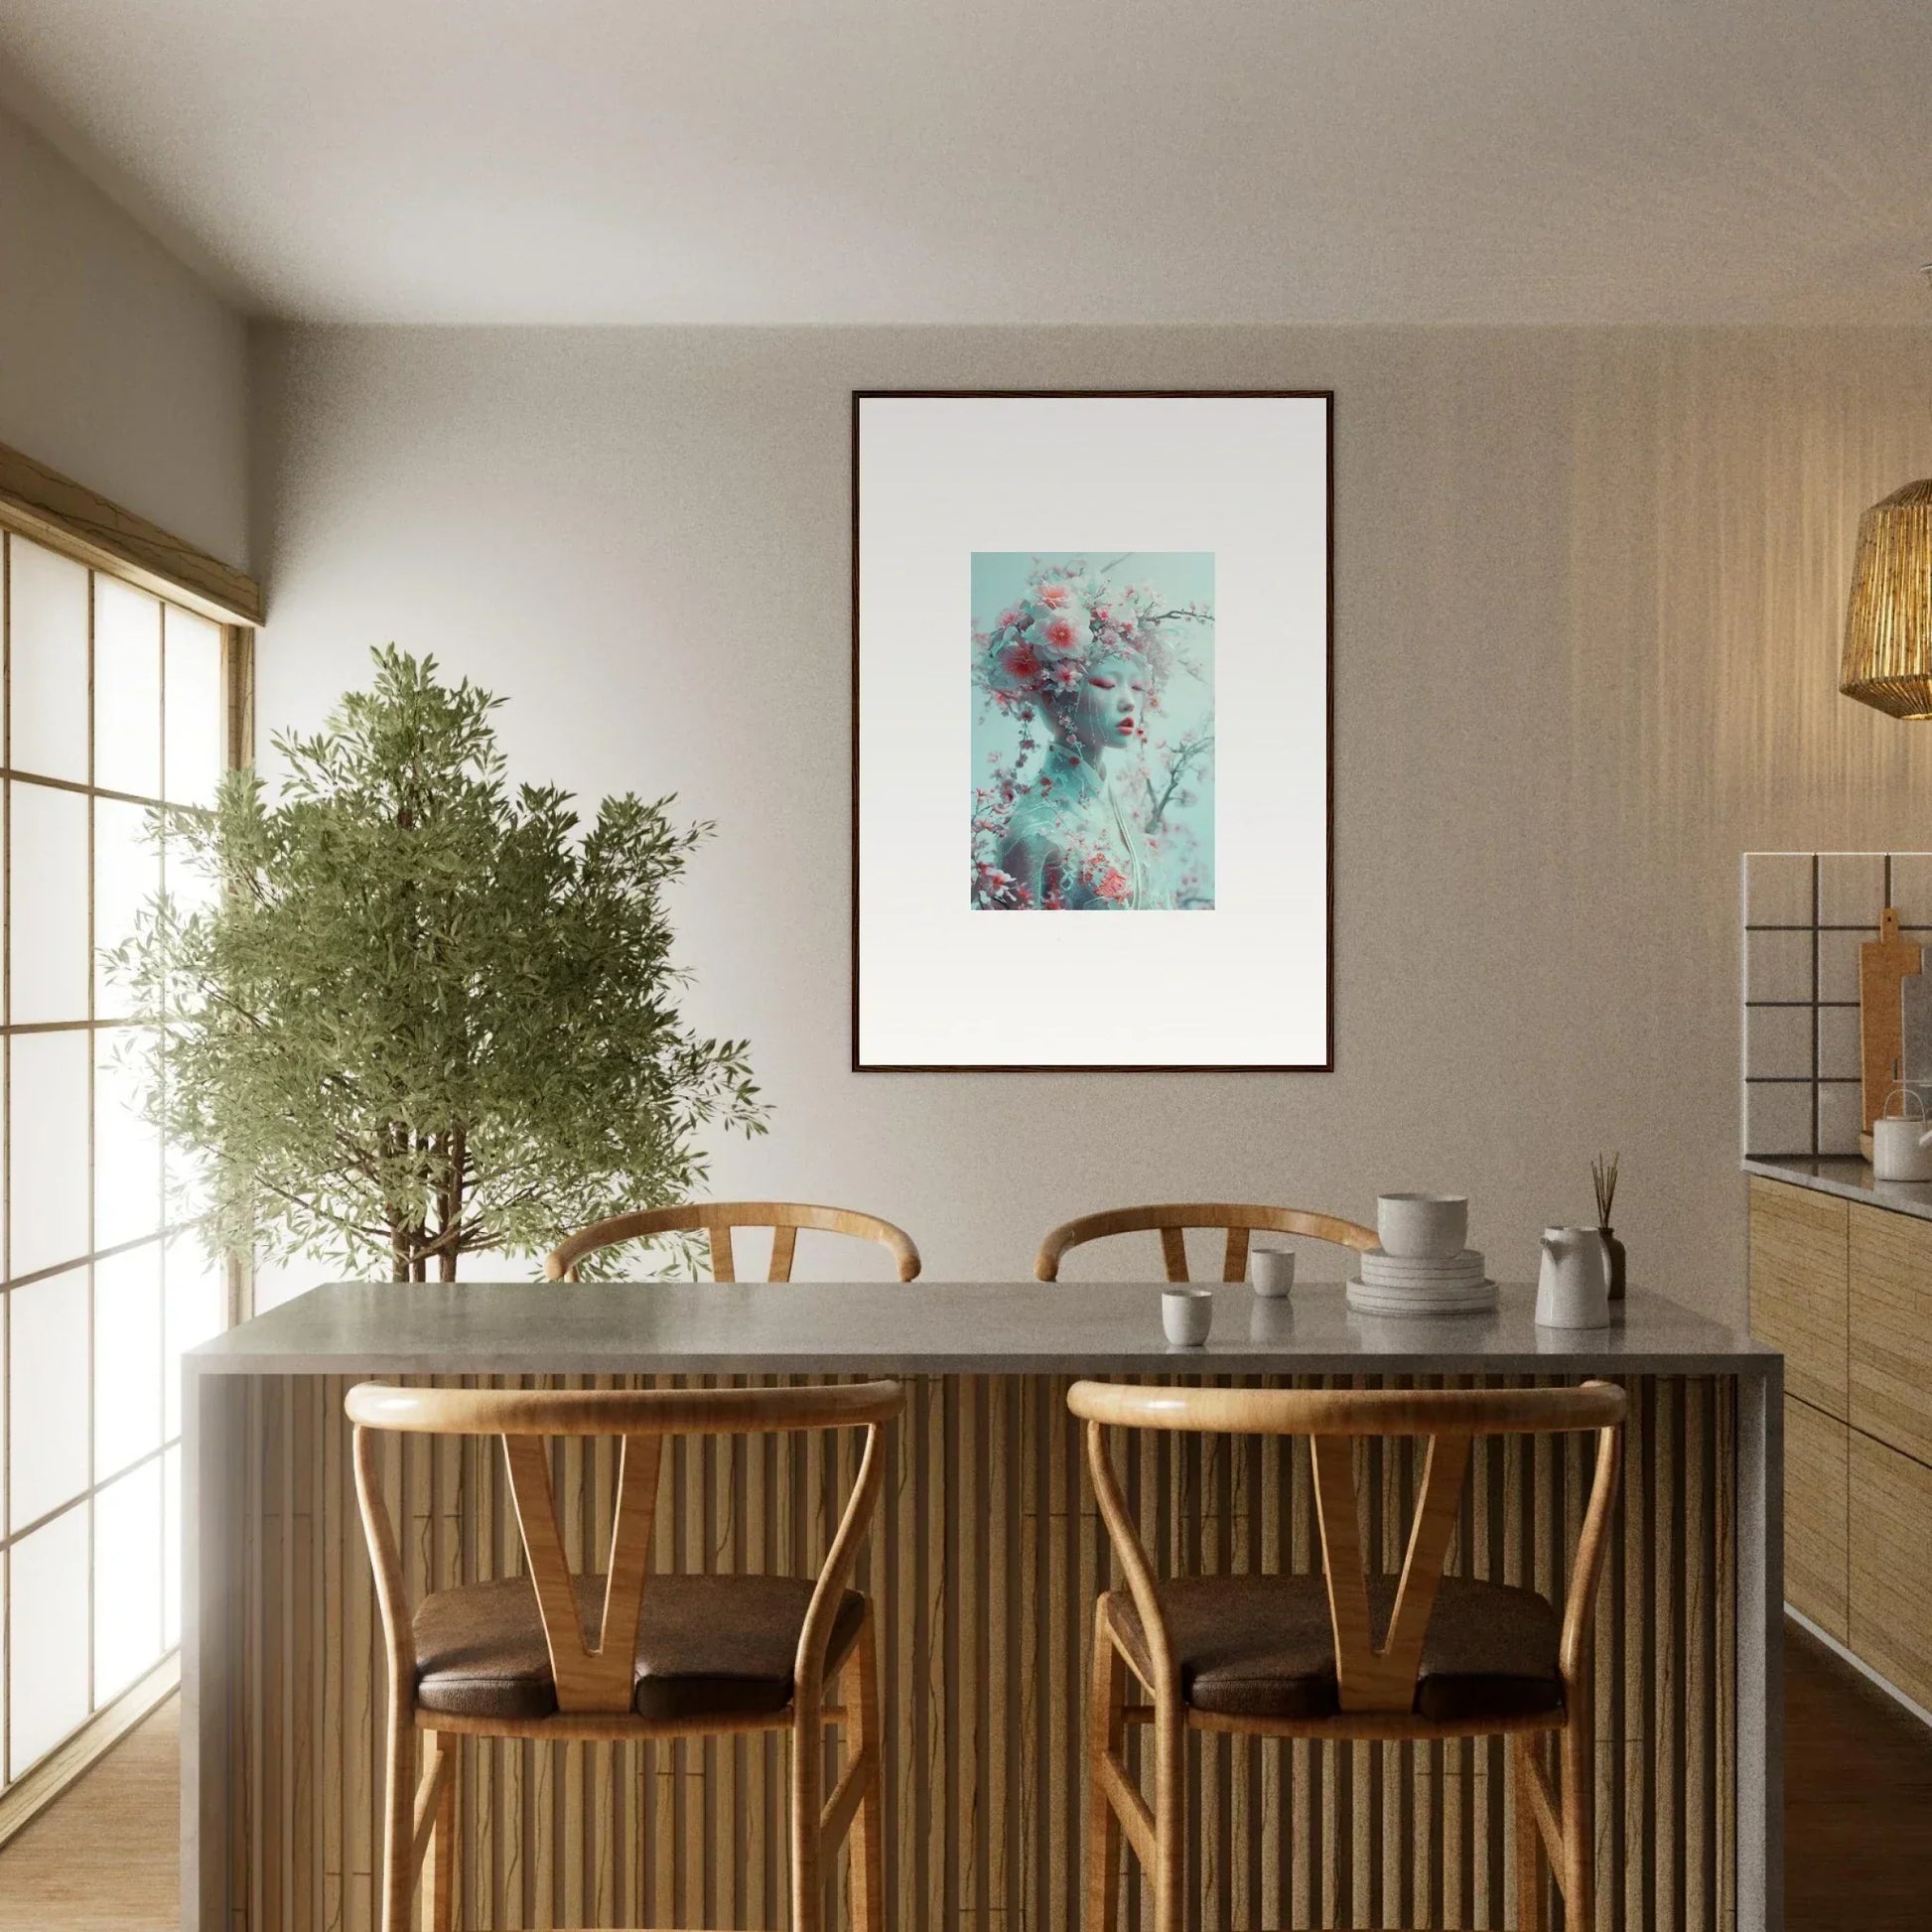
(707, 1646)
(1262, 1647)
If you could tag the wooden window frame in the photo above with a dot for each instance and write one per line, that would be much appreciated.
(45, 507)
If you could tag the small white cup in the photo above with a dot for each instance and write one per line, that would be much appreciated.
(1420, 1226)
(1273, 1271)
(1186, 1313)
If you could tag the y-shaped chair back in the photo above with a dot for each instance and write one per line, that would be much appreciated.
(751, 1653)
(717, 1219)
(1215, 1653)
(1172, 1220)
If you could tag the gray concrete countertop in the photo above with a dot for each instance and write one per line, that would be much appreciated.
(1850, 1179)
(932, 1328)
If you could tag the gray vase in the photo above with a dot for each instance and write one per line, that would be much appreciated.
(1615, 1248)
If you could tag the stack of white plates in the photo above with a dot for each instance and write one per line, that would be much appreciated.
(1422, 1283)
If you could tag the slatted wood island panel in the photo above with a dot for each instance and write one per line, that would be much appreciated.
(987, 1555)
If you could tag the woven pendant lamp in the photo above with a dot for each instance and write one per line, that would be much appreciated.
(1888, 628)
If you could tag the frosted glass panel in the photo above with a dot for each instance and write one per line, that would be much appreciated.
(127, 1358)
(170, 1548)
(127, 1581)
(196, 1303)
(127, 689)
(47, 834)
(194, 707)
(127, 876)
(47, 1377)
(127, 1151)
(47, 1656)
(47, 1121)
(48, 675)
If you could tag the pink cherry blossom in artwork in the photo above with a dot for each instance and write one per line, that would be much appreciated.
(1058, 631)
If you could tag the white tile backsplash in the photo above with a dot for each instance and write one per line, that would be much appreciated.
(1778, 887)
(1777, 1043)
(1778, 1117)
(1837, 963)
(1806, 915)
(1911, 888)
(1841, 1116)
(1838, 1043)
(1850, 887)
(1777, 966)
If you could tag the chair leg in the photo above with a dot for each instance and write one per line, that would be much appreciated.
(1528, 1838)
(807, 1800)
(1169, 1812)
(399, 1821)
(868, 1827)
(1106, 1734)
(442, 1846)
(1579, 1748)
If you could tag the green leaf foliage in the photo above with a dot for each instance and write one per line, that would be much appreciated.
(417, 1013)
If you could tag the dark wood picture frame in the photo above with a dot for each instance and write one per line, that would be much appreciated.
(1325, 396)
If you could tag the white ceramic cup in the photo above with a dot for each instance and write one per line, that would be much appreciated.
(1186, 1313)
(1414, 1226)
(1273, 1271)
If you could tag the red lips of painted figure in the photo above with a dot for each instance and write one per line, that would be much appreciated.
(1110, 707)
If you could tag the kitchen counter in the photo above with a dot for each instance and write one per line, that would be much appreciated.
(985, 1556)
(933, 1328)
(1850, 1177)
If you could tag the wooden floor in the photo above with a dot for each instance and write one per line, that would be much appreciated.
(1858, 1806)
(107, 1856)
(1858, 1820)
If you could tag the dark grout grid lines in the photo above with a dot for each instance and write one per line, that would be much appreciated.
(1806, 913)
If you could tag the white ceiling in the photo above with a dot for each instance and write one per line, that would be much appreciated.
(1010, 161)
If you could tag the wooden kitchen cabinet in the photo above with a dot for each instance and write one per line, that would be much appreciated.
(1816, 1502)
(1844, 1286)
(1891, 1329)
(1799, 1288)
(1890, 1577)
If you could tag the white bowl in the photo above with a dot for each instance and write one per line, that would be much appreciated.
(1417, 1225)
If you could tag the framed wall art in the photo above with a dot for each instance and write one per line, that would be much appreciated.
(1092, 818)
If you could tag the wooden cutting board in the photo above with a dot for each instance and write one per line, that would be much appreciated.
(1884, 964)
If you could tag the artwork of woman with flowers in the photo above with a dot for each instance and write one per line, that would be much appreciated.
(1093, 742)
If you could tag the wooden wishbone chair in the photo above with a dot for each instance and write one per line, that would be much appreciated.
(1347, 1654)
(1173, 1219)
(557, 1656)
(717, 1219)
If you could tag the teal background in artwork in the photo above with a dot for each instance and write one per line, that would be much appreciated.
(1187, 699)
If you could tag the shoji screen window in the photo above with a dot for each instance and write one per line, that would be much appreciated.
(114, 700)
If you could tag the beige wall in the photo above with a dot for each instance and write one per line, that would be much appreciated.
(117, 366)
(1589, 586)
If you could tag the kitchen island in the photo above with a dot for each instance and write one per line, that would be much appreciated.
(986, 1556)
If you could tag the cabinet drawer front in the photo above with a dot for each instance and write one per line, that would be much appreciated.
(1798, 1273)
(1891, 1329)
(1815, 1554)
(1891, 1577)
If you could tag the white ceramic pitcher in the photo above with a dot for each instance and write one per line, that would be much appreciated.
(1573, 1289)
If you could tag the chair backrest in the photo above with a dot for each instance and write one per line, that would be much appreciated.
(593, 1673)
(1372, 1675)
(1173, 1219)
(717, 1219)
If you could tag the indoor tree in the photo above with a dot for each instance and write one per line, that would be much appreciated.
(414, 1012)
